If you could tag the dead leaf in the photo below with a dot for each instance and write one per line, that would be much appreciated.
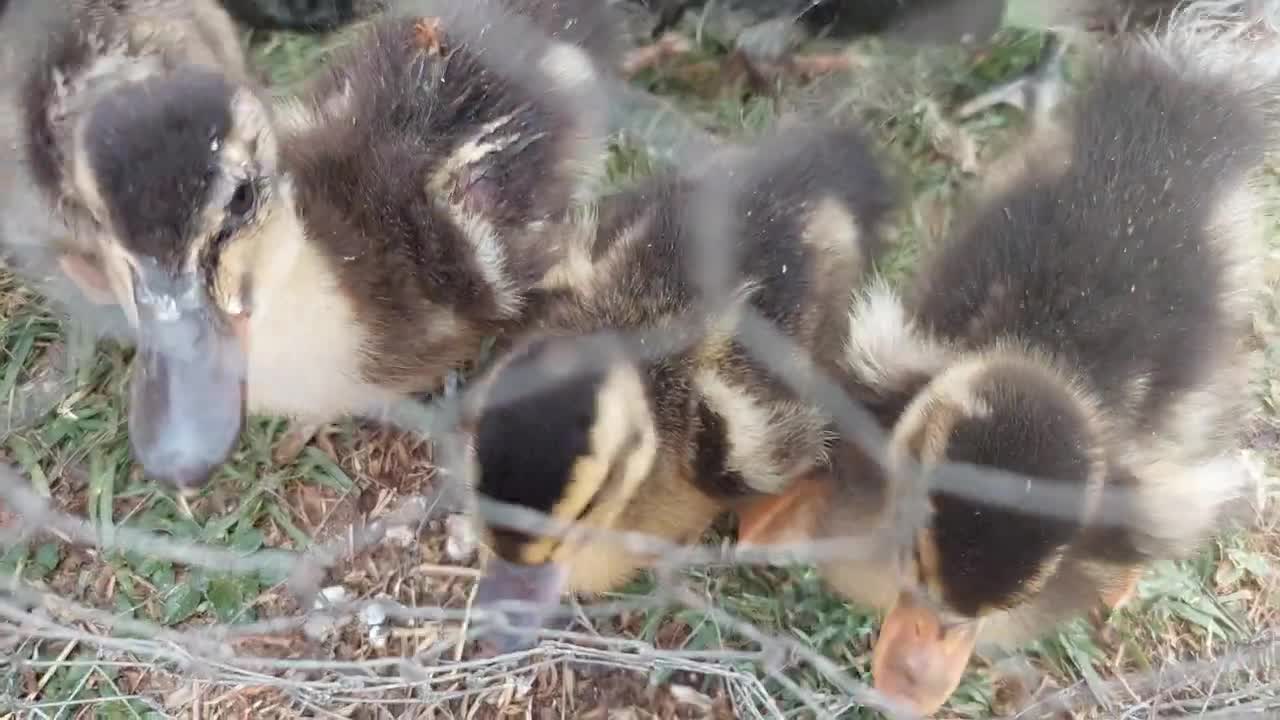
(685, 695)
(948, 139)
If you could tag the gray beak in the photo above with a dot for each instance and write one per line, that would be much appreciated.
(526, 594)
(187, 396)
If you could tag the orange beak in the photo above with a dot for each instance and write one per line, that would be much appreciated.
(789, 517)
(917, 659)
(88, 277)
(1119, 594)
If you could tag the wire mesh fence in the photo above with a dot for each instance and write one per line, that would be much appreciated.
(331, 651)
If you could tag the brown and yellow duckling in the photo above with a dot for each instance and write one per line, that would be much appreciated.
(1085, 331)
(321, 257)
(62, 62)
(630, 406)
(83, 206)
(428, 165)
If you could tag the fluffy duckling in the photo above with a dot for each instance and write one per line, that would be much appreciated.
(1086, 331)
(658, 433)
(323, 256)
(73, 206)
(61, 62)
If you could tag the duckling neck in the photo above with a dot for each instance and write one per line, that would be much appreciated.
(306, 346)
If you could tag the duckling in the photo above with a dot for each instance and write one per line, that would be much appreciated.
(1085, 331)
(61, 60)
(65, 68)
(556, 137)
(630, 405)
(322, 256)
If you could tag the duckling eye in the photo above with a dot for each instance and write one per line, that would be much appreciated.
(243, 200)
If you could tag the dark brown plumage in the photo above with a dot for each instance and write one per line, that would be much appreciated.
(63, 60)
(411, 226)
(315, 256)
(429, 166)
(112, 109)
(660, 435)
(1084, 329)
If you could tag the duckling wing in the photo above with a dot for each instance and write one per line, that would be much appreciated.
(804, 214)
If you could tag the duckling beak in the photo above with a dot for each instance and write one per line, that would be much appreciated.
(536, 589)
(918, 659)
(1120, 590)
(791, 516)
(187, 394)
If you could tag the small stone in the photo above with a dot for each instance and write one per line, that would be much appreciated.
(181, 697)
(523, 686)
(373, 614)
(452, 383)
(413, 672)
(330, 596)
(320, 627)
(378, 636)
(460, 542)
(685, 695)
(401, 535)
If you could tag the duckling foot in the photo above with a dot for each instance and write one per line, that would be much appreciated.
(767, 50)
(1119, 595)
(808, 67)
(768, 42)
(763, 74)
(88, 277)
(1036, 92)
(293, 441)
(667, 47)
(452, 384)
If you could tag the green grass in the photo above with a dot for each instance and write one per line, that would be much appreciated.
(77, 453)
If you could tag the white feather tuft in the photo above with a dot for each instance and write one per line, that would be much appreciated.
(1232, 42)
(884, 343)
(1180, 505)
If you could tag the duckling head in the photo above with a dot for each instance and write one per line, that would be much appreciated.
(177, 176)
(564, 428)
(974, 559)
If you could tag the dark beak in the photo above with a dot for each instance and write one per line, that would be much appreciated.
(187, 397)
(525, 594)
